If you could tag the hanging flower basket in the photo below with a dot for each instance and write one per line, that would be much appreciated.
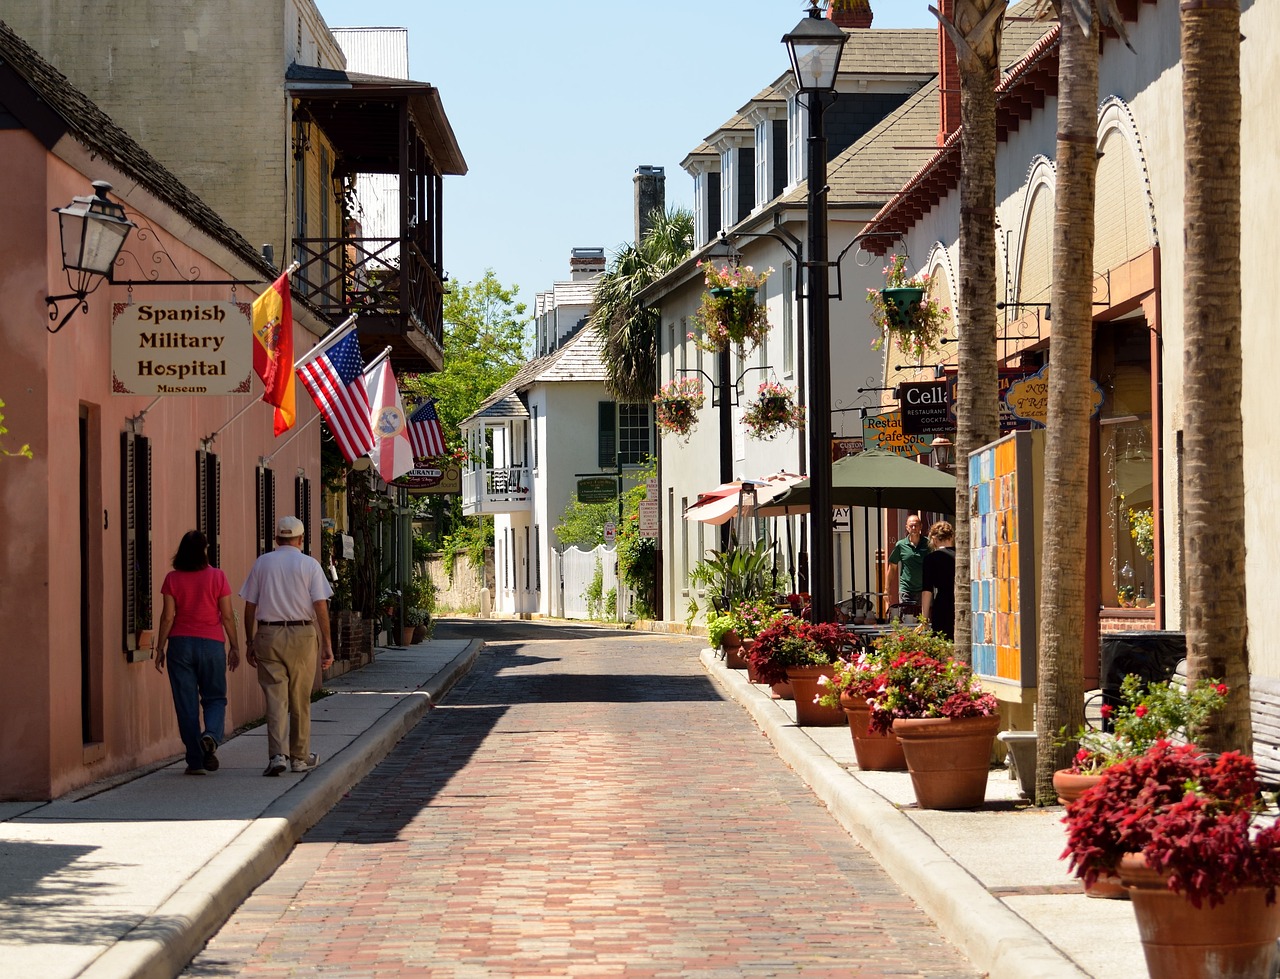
(903, 312)
(729, 314)
(772, 412)
(677, 405)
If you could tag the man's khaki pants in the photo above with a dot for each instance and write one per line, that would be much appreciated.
(286, 670)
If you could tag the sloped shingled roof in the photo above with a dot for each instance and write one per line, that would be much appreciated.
(578, 359)
(93, 128)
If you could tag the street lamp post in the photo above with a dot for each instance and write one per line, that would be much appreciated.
(814, 46)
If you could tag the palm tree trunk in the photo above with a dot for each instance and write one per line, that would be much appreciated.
(976, 30)
(1213, 528)
(1060, 695)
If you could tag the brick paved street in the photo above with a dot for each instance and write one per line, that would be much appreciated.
(584, 803)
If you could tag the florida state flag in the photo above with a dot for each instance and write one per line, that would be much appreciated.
(273, 351)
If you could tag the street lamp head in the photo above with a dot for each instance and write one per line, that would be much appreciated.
(942, 453)
(814, 46)
(93, 230)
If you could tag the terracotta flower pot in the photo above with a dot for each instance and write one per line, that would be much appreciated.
(782, 691)
(1070, 787)
(949, 758)
(804, 684)
(1233, 940)
(734, 658)
(876, 752)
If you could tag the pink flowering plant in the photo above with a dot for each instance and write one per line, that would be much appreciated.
(1192, 816)
(772, 412)
(676, 405)
(915, 322)
(753, 616)
(729, 313)
(1147, 715)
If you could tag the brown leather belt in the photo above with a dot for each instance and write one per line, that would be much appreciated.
(287, 622)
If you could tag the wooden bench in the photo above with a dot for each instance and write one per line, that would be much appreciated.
(1264, 712)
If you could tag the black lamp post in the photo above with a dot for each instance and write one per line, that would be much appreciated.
(93, 230)
(814, 46)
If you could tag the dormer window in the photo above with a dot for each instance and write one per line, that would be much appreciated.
(797, 139)
(705, 170)
(770, 177)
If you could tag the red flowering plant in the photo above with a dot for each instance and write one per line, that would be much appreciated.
(1191, 815)
(865, 675)
(677, 405)
(1147, 714)
(772, 412)
(790, 641)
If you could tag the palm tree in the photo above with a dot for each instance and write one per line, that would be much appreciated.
(1060, 694)
(630, 331)
(1213, 527)
(975, 29)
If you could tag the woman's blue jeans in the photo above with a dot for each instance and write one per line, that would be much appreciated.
(198, 678)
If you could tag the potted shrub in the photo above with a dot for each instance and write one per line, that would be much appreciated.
(801, 653)
(1179, 828)
(723, 636)
(946, 723)
(772, 412)
(676, 406)
(855, 683)
(729, 313)
(902, 312)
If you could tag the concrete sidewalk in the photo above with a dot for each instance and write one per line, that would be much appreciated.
(991, 878)
(132, 881)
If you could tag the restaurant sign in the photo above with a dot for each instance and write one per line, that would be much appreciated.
(885, 432)
(427, 476)
(925, 407)
(1028, 398)
(181, 348)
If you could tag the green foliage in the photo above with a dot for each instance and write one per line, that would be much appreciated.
(595, 592)
(637, 555)
(421, 548)
(611, 604)
(471, 537)
(736, 575)
(341, 600)
(628, 328)
(582, 524)
(717, 626)
(25, 451)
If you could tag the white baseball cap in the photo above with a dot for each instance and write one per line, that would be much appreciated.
(290, 527)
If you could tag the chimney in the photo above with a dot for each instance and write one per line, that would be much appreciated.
(948, 76)
(651, 195)
(850, 13)
(585, 263)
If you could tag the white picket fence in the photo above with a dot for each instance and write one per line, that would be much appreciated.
(575, 569)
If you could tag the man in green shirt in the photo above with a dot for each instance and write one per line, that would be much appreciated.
(906, 564)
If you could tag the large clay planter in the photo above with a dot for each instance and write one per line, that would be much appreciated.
(949, 758)
(876, 752)
(1070, 787)
(804, 685)
(1234, 940)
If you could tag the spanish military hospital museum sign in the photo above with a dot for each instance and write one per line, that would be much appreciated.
(181, 348)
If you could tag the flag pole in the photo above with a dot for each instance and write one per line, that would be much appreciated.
(377, 360)
(327, 339)
(266, 460)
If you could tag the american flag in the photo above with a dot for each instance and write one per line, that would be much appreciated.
(424, 432)
(335, 380)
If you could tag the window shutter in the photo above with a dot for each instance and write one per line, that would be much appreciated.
(608, 435)
(208, 500)
(302, 508)
(129, 541)
(266, 500)
(214, 533)
(143, 535)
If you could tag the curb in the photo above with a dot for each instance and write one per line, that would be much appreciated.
(167, 939)
(995, 939)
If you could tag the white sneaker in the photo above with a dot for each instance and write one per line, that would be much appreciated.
(306, 764)
(277, 765)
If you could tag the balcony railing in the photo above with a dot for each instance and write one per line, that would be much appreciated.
(503, 490)
(388, 281)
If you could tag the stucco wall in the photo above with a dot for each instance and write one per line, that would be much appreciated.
(461, 592)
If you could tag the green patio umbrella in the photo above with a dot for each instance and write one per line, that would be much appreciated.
(875, 478)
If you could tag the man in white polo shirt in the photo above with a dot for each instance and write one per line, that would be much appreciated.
(286, 610)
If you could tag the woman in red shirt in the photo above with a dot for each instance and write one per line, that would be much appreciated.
(197, 615)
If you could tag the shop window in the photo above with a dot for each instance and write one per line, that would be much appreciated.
(1125, 466)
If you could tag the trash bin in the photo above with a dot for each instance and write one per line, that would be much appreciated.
(1151, 655)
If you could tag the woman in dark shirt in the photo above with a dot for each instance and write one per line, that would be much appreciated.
(938, 594)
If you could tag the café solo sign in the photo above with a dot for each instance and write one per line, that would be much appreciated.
(885, 432)
(181, 348)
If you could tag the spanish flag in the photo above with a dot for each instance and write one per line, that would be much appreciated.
(273, 351)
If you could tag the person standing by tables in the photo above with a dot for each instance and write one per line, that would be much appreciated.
(906, 563)
(938, 594)
(286, 614)
(195, 618)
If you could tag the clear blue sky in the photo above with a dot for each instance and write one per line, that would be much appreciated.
(555, 104)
